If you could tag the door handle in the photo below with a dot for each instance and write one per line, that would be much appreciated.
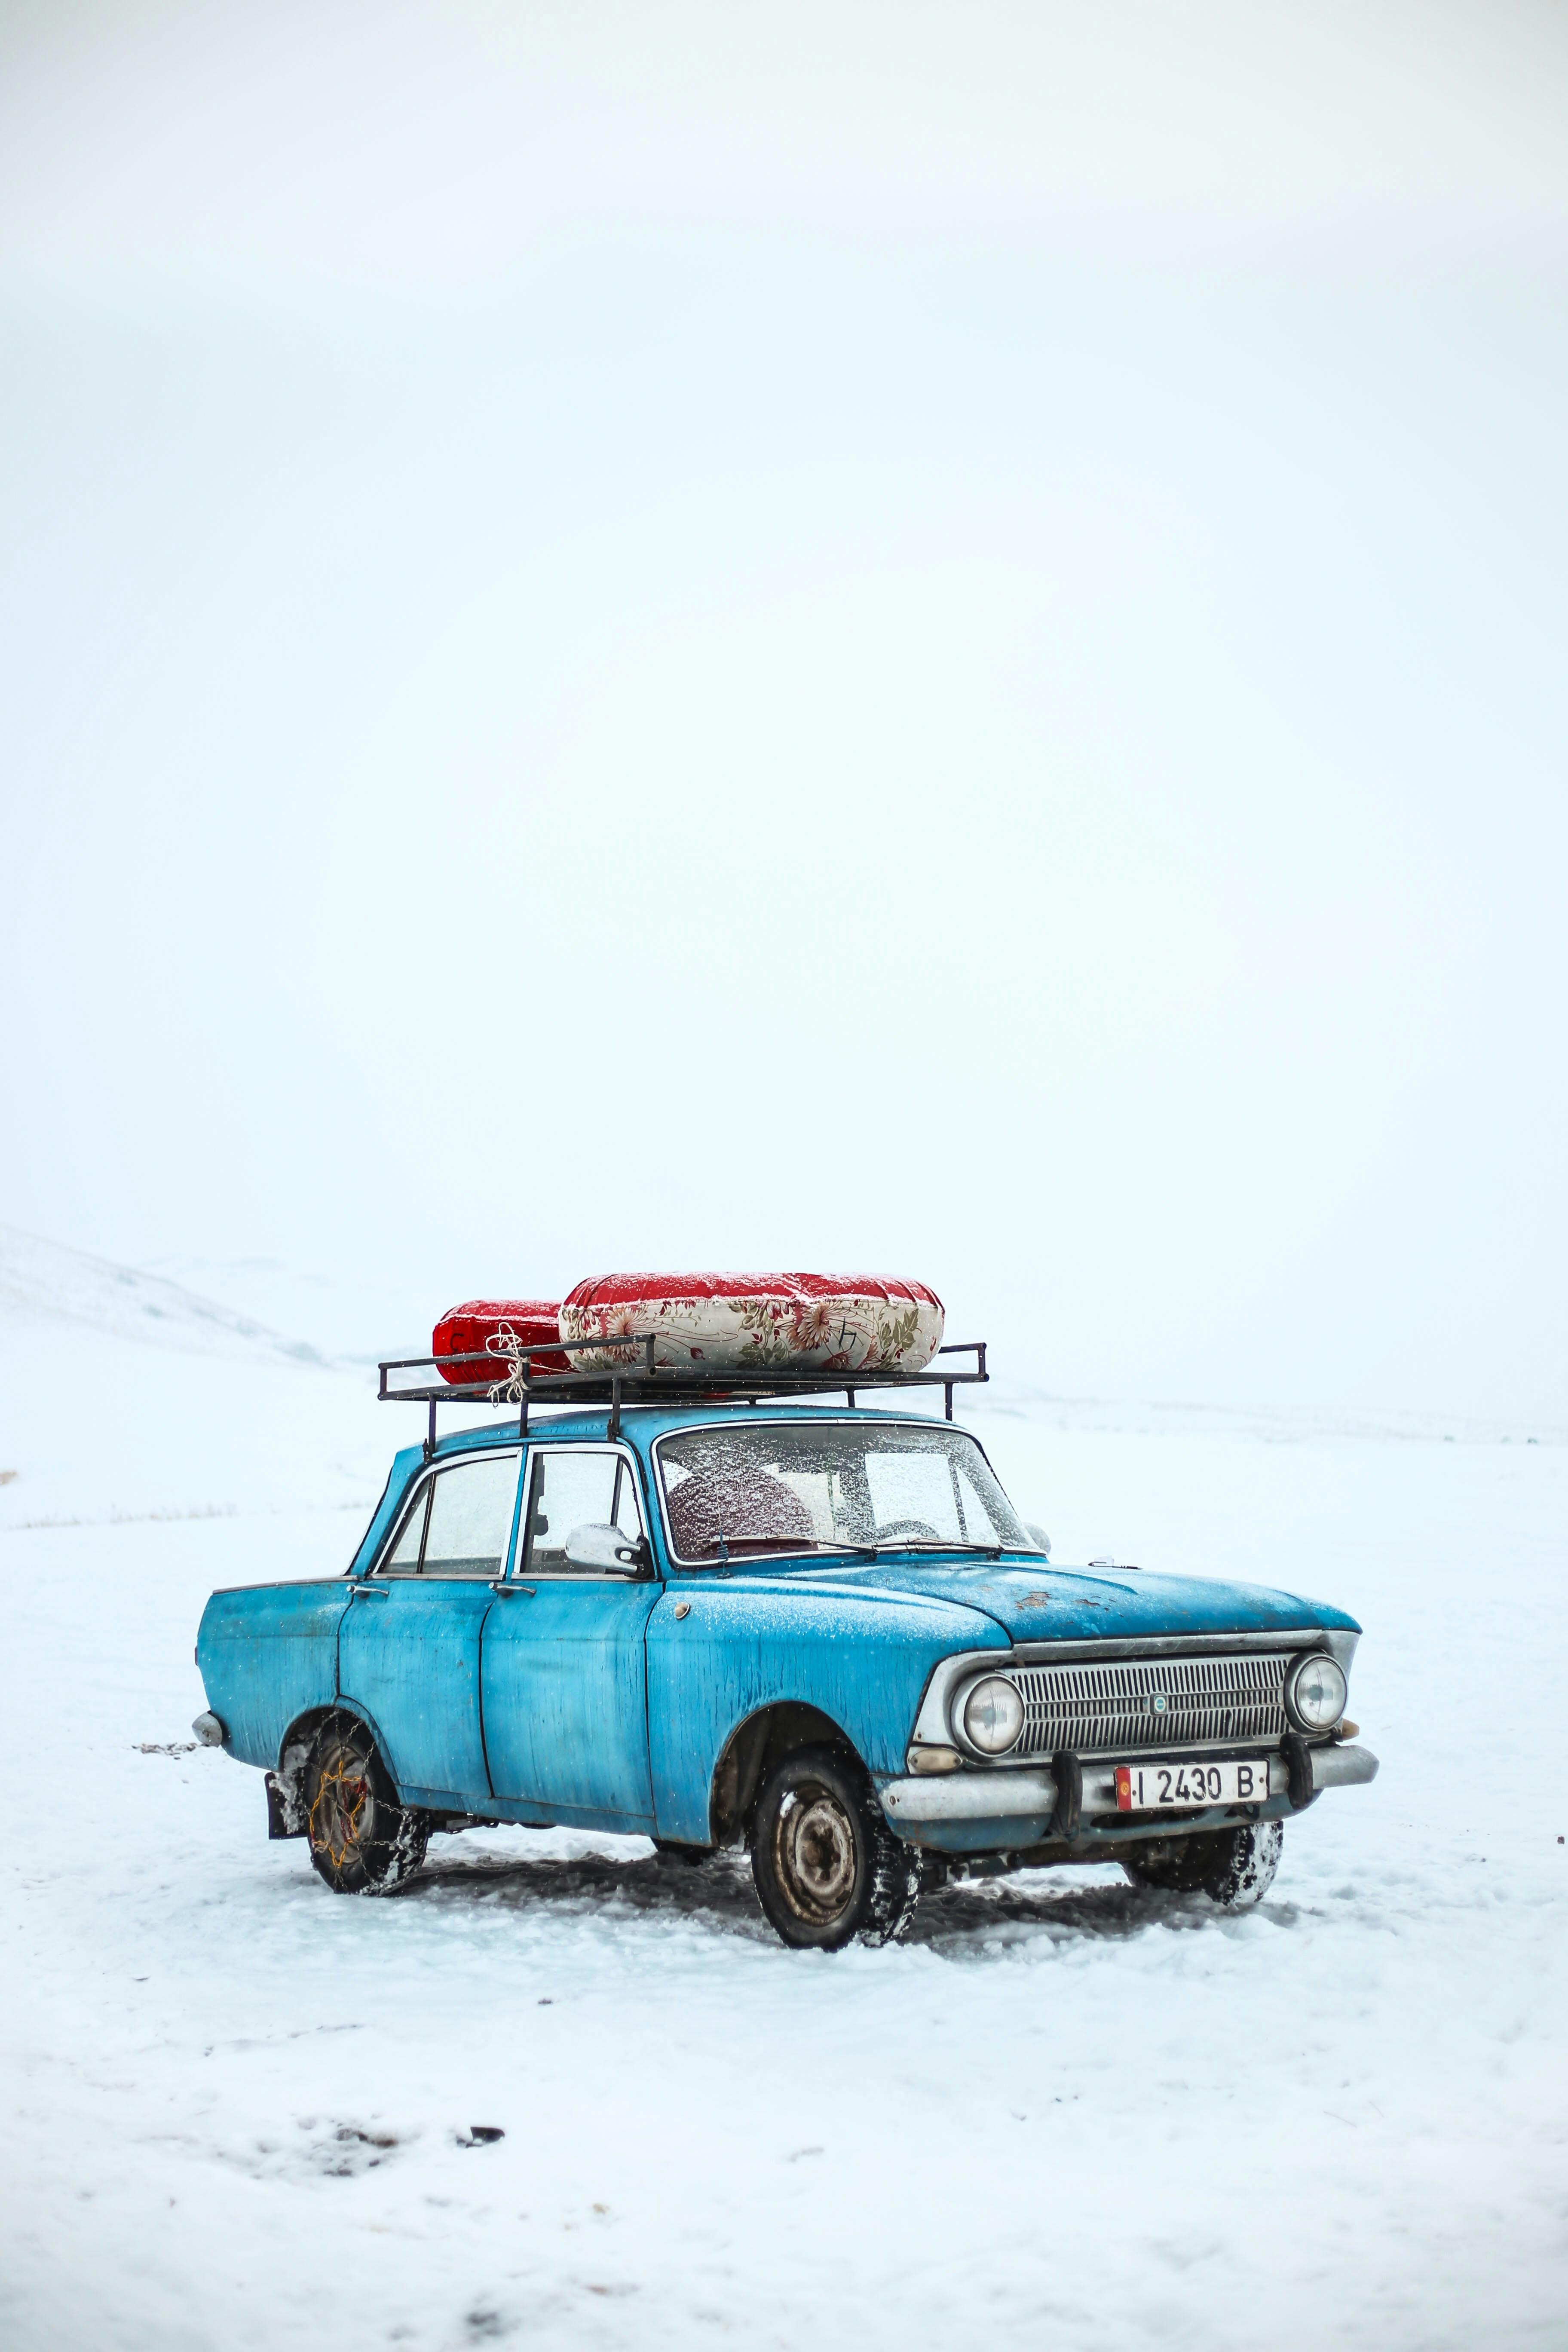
(501, 1584)
(368, 1592)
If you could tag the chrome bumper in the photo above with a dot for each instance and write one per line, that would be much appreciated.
(1027, 1798)
(1339, 1768)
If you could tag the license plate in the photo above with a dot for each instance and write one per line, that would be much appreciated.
(1165, 1788)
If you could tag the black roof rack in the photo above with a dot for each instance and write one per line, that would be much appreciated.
(511, 1380)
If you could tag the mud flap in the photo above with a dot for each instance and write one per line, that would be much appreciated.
(284, 1819)
(1067, 1774)
(1299, 1763)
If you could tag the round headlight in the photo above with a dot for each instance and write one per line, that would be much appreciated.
(993, 1716)
(1315, 1692)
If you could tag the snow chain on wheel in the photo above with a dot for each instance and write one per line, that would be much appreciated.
(1233, 1867)
(827, 1866)
(1243, 1870)
(362, 1842)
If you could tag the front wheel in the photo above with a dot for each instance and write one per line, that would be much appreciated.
(362, 1842)
(827, 1868)
(1233, 1867)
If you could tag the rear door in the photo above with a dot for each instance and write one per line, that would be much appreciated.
(564, 1669)
(408, 1655)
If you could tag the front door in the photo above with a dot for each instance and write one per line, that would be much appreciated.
(565, 1673)
(408, 1653)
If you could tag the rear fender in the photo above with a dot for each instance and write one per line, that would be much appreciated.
(286, 1780)
(268, 1655)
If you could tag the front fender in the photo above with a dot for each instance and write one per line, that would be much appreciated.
(861, 1661)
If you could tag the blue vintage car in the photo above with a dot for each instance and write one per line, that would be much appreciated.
(820, 1631)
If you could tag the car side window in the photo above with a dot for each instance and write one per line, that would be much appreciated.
(576, 1487)
(461, 1523)
(403, 1559)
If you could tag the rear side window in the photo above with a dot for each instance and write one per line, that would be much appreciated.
(460, 1524)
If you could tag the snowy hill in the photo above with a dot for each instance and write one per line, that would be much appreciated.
(125, 1396)
(44, 1278)
(352, 1318)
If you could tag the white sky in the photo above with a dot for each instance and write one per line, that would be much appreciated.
(926, 639)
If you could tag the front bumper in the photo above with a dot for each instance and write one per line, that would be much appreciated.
(980, 1810)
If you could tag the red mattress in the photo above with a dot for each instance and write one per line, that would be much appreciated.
(487, 1324)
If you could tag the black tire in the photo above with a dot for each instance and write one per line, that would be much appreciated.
(1235, 1868)
(827, 1868)
(362, 1842)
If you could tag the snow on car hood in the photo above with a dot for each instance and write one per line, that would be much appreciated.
(1037, 1603)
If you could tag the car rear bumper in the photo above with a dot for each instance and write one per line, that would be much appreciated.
(971, 1811)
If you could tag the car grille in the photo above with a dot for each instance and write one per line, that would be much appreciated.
(1092, 1709)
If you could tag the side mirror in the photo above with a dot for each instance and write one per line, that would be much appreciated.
(1039, 1534)
(605, 1552)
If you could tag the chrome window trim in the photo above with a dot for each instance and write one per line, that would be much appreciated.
(781, 1420)
(539, 1447)
(422, 1485)
(934, 1725)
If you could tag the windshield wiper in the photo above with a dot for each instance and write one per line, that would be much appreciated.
(751, 1547)
(754, 1546)
(936, 1543)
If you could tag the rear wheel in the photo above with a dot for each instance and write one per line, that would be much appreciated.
(827, 1868)
(1233, 1867)
(362, 1842)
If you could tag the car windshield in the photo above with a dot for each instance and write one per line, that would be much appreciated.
(832, 1486)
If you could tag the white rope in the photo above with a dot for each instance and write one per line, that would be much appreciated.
(504, 1341)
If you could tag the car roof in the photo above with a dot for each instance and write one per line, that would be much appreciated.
(641, 1424)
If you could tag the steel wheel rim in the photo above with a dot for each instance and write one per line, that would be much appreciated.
(814, 1855)
(338, 1809)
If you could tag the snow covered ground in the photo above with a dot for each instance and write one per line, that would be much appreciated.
(238, 2109)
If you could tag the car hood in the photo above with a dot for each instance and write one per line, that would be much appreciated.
(1041, 1603)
